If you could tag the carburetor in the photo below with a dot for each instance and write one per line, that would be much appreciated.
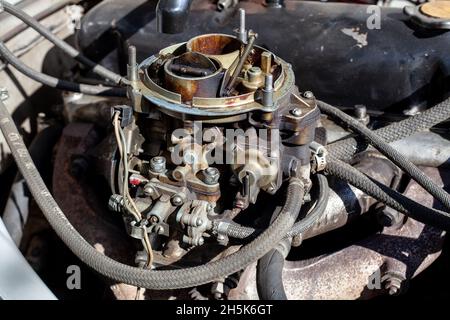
(213, 122)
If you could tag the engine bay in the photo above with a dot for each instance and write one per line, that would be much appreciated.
(225, 150)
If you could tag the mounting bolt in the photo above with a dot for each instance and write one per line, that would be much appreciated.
(159, 229)
(4, 94)
(296, 112)
(308, 95)
(154, 219)
(242, 32)
(199, 222)
(361, 114)
(211, 175)
(132, 65)
(267, 98)
(393, 285)
(150, 191)
(177, 200)
(158, 164)
(116, 203)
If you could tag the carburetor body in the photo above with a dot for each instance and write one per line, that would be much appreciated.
(216, 121)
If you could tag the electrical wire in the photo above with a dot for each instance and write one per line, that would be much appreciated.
(64, 46)
(53, 82)
(123, 160)
(129, 203)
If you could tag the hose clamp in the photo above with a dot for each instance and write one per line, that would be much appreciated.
(319, 157)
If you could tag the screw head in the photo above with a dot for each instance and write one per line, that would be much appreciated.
(159, 230)
(177, 200)
(360, 111)
(159, 160)
(199, 222)
(211, 171)
(158, 164)
(149, 191)
(154, 219)
(308, 95)
(296, 112)
(211, 175)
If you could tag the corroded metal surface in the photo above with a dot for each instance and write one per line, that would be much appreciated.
(398, 253)
(193, 75)
(347, 202)
(221, 46)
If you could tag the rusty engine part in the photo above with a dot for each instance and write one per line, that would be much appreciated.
(176, 180)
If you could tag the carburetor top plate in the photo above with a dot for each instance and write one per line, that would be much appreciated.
(189, 79)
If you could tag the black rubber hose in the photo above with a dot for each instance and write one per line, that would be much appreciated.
(64, 46)
(346, 149)
(269, 276)
(384, 194)
(58, 83)
(269, 270)
(237, 231)
(157, 280)
(391, 153)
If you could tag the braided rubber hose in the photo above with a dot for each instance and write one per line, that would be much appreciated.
(64, 46)
(57, 83)
(392, 154)
(157, 280)
(317, 212)
(390, 197)
(345, 149)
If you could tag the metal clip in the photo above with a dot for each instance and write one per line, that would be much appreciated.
(319, 161)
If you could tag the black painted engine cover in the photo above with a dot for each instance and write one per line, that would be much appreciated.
(333, 52)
